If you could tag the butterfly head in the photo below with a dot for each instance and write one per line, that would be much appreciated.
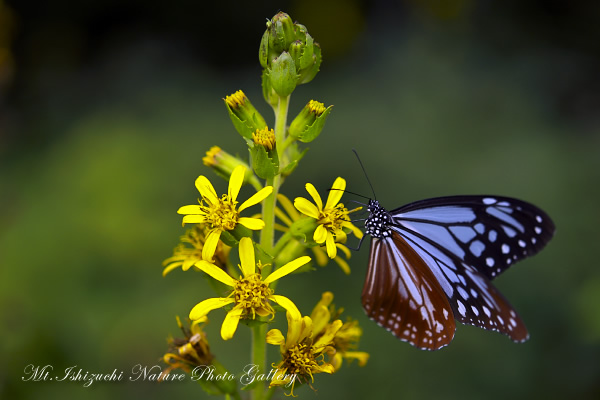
(379, 220)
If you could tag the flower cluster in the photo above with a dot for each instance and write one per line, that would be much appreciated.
(244, 256)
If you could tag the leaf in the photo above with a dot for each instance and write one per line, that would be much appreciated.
(265, 165)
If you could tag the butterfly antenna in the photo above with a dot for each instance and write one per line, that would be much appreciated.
(365, 172)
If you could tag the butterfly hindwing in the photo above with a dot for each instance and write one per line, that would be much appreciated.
(473, 298)
(402, 295)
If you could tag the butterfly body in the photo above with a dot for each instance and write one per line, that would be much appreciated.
(432, 261)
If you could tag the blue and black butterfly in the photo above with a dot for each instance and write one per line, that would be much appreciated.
(432, 261)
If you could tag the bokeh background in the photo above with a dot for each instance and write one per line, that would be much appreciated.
(107, 107)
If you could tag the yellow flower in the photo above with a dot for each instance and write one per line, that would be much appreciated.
(331, 218)
(186, 256)
(189, 352)
(251, 293)
(220, 214)
(346, 338)
(290, 216)
(302, 355)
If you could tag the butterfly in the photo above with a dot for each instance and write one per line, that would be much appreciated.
(432, 261)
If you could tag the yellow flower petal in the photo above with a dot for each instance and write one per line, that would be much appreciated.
(361, 356)
(206, 189)
(357, 232)
(281, 215)
(274, 336)
(306, 330)
(331, 249)
(320, 317)
(315, 195)
(320, 234)
(171, 267)
(320, 256)
(343, 265)
(206, 306)
(336, 192)
(191, 209)
(210, 245)
(329, 334)
(235, 182)
(256, 198)
(286, 303)
(247, 261)
(193, 219)
(344, 249)
(340, 236)
(286, 269)
(306, 207)
(230, 323)
(252, 223)
(288, 206)
(216, 272)
(188, 263)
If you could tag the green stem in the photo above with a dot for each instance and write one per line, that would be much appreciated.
(267, 239)
(259, 356)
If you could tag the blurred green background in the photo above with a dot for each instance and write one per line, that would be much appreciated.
(106, 109)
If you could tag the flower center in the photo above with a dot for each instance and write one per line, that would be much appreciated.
(333, 218)
(252, 294)
(222, 215)
(301, 360)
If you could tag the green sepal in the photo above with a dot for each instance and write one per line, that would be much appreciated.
(312, 131)
(265, 163)
(248, 126)
(268, 93)
(295, 156)
(308, 73)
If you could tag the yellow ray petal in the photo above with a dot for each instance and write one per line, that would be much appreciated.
(256, 198)
(336, 192)
(210, 245)
(171, 267)
(206, 306)
(329, 334)
(231, 322)
(247, 261)
(331, 249)
(286, 269)
(252, 223)
(188, 263)
(193, 219)
(357, 232)
(216, 272)
(274, 336)
(340, 236)
(235, 182)
(191, 209)
(206, 189)
(320, 234)
(306, 207)
(315, 195)
(289, 305)
(288, 206)
(344, 249)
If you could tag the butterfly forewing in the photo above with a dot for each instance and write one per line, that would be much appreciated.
(489, 233)
(402, 295)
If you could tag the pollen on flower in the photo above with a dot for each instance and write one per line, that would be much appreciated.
(316, 107)
(300, 360)
(222, 214)
(251, 294)
(264, 137)
(211, 156)
(235, 100)
(333, 218)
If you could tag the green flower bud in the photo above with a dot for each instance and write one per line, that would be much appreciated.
(244, 116)
(268, 92)
(307, 74)
(309, 123)
(265, 160)
(224, 163)
(283, 75)
(282, 33)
